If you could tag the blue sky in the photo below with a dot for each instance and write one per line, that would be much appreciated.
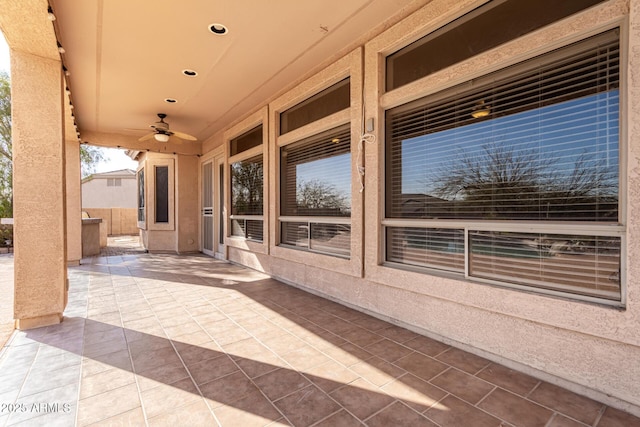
(4, 54)
(559, 134)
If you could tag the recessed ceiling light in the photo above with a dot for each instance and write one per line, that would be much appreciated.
(218, 29)
(170, 100)
(190, 73)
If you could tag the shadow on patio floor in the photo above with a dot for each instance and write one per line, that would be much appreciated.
(164, 339)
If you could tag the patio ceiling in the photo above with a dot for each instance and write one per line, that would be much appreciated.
(126, 57)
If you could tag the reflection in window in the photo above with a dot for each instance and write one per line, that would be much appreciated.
(536, 142)
(247, 178)
(316, 183)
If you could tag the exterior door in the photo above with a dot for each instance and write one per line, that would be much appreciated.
(219, 213)
(213, 207)
(207, 208)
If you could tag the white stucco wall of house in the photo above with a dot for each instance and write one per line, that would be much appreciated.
(96, 193)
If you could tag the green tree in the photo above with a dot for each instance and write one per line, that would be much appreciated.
(89, 156)
(315, 197)
(6, 184)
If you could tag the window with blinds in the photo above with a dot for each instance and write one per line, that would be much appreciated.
(315, 192)
(247, 203)
(247, 186)
(537, 142)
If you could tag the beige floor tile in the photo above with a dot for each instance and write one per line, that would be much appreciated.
(427, 346)
(514, 409)
(330, 376)
(281, 382)
(575, 406)
(341, 418)
(616, 418)
(167, 398)
(463, 360)
(361, 398)
(106, 405)
(304, 358)
(194, 414)
(453, 412)
(251, 410)
(514, 381)
(132, 418)
(414, 392)
(377, 371)
(307, 406)
(228, 389)
(421, 366)
(398, 414)
(165, 374)
(211, 369)
(105, 381)
(462, 385)
(388, 350)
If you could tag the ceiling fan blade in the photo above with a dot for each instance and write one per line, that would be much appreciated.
(186, 136)
(147, 137)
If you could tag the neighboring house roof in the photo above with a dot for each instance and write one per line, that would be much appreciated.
(121, 173)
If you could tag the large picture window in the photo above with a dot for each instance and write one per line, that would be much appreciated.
(514, 177)
(247, 186)
(315, 205)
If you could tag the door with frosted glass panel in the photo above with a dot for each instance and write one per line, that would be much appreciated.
(207, 209)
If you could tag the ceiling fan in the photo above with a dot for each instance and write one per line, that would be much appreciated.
(162, 133)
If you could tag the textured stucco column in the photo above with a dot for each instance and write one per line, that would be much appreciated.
(187, 191)
(39, 190)
(74, 200)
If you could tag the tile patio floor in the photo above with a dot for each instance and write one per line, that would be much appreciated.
(188, 340)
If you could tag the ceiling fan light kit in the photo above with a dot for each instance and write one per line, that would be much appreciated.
(161, 132)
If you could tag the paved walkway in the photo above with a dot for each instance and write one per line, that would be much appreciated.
(6, 298)
(167, 340)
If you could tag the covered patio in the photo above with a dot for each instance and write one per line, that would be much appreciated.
(334, 172)
(184, 340)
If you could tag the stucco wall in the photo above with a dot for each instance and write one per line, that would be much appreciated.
(96, 194)
(117, 221)
(591, 348)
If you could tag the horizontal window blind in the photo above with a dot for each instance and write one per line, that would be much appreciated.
(537, 141)
(587, 265)
(437, 248)
(316, 175)
(247, 187)
(250, 229)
